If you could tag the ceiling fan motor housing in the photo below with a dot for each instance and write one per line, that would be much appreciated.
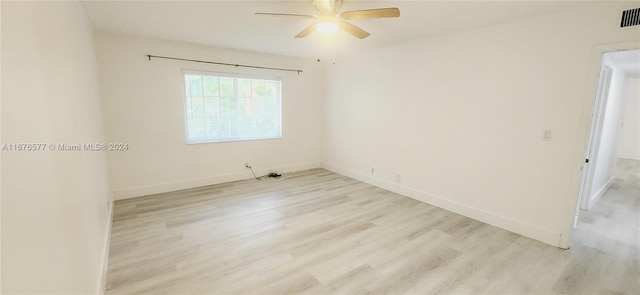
(327, 7)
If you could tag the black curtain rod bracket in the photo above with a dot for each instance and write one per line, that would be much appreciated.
(224, 64)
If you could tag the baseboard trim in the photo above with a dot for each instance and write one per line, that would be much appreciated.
(502, 222)
(596, 197)
(629, 157)
(186, 184)
(102, 279)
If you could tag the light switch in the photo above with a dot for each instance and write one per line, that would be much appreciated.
(547, 135)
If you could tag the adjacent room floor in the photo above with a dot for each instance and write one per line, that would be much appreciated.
(318, 232)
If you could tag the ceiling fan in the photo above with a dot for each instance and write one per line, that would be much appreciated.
(328, 18)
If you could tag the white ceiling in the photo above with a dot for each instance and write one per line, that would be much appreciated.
(233, 24)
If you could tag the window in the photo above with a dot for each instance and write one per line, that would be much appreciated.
(231, 108)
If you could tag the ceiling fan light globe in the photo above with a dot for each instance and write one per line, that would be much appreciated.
(327, 28)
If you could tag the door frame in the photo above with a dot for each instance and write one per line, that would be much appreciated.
(584, 129)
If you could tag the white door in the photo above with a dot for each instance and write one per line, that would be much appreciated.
(593, 144)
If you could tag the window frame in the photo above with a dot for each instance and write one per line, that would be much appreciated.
(234, 76)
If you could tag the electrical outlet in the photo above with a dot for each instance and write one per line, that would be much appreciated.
(398, 179)
(547, 134)
(373, 171)
(247, 165)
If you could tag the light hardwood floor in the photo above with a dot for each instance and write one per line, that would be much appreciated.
(322, 233)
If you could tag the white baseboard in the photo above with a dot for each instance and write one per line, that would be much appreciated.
(186, 184)
(104, 262)
(598, 195)
(629, 157)
(503, 222)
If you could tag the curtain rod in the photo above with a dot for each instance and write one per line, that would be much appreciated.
(224, 64)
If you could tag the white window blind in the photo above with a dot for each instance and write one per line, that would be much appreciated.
(222, 107)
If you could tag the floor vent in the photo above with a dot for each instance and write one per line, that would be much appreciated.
(630, 17)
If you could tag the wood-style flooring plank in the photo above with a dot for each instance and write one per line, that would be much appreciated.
(317, 232)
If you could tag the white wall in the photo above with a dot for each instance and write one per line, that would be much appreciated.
(0, 156)
(604, 160)
(143, 103)
(54, 204)
(460, 118)
(629, 142)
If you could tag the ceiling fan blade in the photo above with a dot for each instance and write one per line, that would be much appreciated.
(371, 13)
(353, 30)
(306, 31)
(286, 14)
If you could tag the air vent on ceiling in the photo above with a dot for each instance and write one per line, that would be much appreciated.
(630, 17)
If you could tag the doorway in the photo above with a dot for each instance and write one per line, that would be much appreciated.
(613, 136)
